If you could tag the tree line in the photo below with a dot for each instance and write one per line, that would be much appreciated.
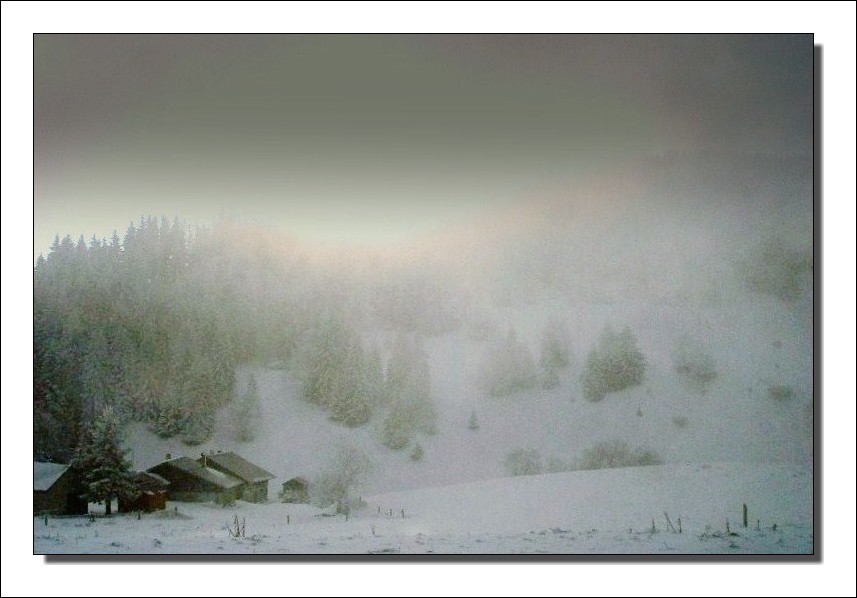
(152, 325)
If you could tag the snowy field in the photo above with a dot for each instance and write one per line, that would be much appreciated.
(593, 512)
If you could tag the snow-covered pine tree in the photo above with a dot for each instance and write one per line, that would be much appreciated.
(409, 392)
(615, 364)
(473, 423)
(554, 355)
(101, 462)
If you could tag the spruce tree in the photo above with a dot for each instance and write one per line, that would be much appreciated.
(101, 462)
(615, 364)
(473, 423)
(554, 355)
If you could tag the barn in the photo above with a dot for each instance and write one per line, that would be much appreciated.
(254, 479)
(152, 494)
(295, 490)
(191, 481)
(56, 489)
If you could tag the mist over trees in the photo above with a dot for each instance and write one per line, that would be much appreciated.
(156, 323)
(508, 368)
(246, 412)
(408, 389)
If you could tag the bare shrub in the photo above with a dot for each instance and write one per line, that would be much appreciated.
(339, 484)
(524, 462)
(680, 421)
(615, 453)
(781, 392)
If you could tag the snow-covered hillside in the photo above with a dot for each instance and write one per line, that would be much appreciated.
(594, 512)
(736, 420)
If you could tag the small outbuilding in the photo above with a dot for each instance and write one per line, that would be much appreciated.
(56, 489)
(151, 494)
(295, 490)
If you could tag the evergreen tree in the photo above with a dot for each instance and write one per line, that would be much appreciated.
(339, 375)
(350, 403)
(615, 364)
(554, 355)
(473, 423)
(409, 393)
(397, 427)
(101, 462)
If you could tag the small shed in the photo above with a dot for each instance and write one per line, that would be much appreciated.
(295, 490)
(152, 494)
(56, 489)
(254, 479)
(191, 481)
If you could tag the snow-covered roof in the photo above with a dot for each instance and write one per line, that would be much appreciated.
(196, 469)
(148, 480)
(157, 478)
(218, 477)
(46, 475)
(237, 466)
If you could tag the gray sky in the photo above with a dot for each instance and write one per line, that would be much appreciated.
(379, 138)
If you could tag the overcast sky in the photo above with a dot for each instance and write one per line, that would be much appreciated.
(380, 138)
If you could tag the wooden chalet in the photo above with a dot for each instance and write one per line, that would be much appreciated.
(254, 479)
(56, 489)
(191, 481)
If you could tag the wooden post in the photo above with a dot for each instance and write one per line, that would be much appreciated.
(288, 518)
(670, 523)
(679, 524)
(744, 515)
(727, 527)
(758, 525)
(403, 513)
